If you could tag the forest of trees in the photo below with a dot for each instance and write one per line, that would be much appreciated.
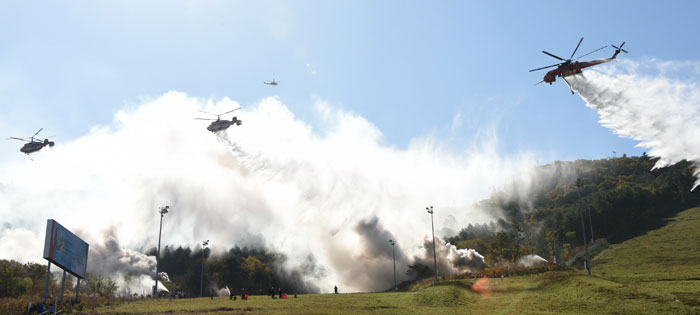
(17, 279)
(252, 269)
(621, 196)
(239, 268)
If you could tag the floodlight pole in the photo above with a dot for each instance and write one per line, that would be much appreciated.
(201, 279)
(432, 227)
(393, 255)
(579, 183)
(163, 211)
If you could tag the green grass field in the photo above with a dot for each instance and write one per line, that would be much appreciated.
(656, 273)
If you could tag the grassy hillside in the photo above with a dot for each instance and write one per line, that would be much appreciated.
(663, 264)
(658, 272)
(542, 213)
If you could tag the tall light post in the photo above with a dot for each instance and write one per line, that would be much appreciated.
(432, 227)
(393, 255)
(162, 211)
(201, 279)
(579, 183)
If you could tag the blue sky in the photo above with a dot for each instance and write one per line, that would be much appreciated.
(413, 68)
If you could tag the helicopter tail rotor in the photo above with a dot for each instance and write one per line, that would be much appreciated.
(620, 48)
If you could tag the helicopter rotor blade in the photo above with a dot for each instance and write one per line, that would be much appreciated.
(560, 58)
(579, 44)
(229, 111)
(40, 129)
(18, 139)
(579, 57)
(545, 67)
(205, 118)
(206, 112)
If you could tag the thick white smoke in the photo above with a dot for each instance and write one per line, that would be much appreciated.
(330, 197)
(131, 270)
(531, 260)
(657, 103)
(449, 259)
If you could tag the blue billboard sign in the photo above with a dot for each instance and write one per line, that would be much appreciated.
(64, 249)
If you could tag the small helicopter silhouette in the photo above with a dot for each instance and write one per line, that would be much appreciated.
(570, 67)
(33, 145)
(271, 83)
(218, 124)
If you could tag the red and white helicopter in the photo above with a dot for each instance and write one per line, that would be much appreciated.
(570, 66)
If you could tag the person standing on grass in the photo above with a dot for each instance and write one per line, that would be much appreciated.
(335, 289)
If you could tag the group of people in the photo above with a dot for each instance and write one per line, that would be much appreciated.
(51, 308)
(232, 295)
(282, 295)
(43, 309)
(179, 295)
(271, 292)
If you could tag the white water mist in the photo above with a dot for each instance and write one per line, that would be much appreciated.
(274, 181)
(656, 103)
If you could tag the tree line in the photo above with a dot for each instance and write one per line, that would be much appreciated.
(28, 279)
(542, 215)
(253, 269)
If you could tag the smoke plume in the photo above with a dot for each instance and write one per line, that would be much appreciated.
(450, 260)
(653, 102)
(531, 260)
(131, 270)
(328, 197)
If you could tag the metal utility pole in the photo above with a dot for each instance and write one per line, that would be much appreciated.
(201, 279)
(77, 291)
(432, 226)
(163, 211)
(579, 183)
(393, 254)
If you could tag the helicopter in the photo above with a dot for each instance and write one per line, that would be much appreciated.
(218, 124)
(271, 83)
(570, 66)
(33, 145)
